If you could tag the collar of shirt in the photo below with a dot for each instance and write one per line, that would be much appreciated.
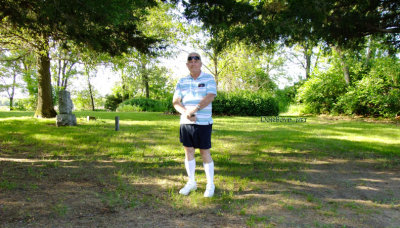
(201, 74)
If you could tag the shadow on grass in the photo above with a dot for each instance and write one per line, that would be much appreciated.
(313, 161)
(83, 194)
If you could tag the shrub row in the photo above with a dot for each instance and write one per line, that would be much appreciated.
(370, 96)
(145, 105)
(243, 103)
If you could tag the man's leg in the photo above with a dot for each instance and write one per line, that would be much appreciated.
(190, 165)
(209, 170)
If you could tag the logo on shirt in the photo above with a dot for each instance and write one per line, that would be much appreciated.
(202, 85)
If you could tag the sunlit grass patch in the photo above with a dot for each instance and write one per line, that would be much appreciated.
(266, 174)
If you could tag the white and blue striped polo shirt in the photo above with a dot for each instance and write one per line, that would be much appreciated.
(191, 92)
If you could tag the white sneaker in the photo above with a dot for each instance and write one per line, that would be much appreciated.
(209, 191)
(190, 186)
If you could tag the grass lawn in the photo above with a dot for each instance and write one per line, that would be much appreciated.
(325, 172)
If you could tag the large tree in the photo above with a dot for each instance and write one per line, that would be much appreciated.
(101, 25)
(338, 22)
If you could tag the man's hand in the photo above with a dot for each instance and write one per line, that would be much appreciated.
(190, 111)
(190, 114)
(192, 118)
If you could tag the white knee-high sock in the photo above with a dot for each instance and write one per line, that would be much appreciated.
(190, 169)
(209, 170)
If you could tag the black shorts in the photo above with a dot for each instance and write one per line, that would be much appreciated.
(197, 136)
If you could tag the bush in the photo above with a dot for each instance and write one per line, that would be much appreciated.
(286, 97)
(321, 92)
(115, 103)
(393, 102)
(26, 104)
(129, 108)
(370, 96)
(245, 103)
(112, 102)
(168, 104)
(145, 104)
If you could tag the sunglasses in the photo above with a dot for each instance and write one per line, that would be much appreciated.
(193, 57)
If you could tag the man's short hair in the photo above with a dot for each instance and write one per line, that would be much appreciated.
(194, 53)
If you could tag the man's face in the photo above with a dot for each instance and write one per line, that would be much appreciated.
(194, 63)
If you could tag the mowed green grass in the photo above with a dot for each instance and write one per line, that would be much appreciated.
(252, 158)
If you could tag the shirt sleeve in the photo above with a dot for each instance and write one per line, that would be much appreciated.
(212, 86)
(178, 91)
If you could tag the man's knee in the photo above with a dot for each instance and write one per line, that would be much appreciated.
(205, 151)
(189, 149)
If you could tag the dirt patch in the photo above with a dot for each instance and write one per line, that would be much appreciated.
(86, 195)
(355, 189)
(332, 193)
(395, 120)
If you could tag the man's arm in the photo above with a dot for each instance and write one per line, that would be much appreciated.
(178, 105)
(206, 100)
(190, 113)
(182, 110)
(202, 104)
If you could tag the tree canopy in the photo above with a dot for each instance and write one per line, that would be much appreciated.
(103, 25)
(338, 22)
(110, 26)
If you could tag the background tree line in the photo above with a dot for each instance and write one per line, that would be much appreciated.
(348, 52)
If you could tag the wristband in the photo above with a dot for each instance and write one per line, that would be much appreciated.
(198, 107)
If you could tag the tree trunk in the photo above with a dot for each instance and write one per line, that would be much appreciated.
(216, 73)
(66, 76)
(11, 103)
(145, 78)
(124, 83)
(308, 65)
(146, 84)
(13, 91)
(59, 73)
(90, 91)
(369, 52)
(346, 70)
(45, 106)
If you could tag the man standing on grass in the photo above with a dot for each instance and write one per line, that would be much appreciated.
(192, 99)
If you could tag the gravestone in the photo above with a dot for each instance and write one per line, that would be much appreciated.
(65, 106)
